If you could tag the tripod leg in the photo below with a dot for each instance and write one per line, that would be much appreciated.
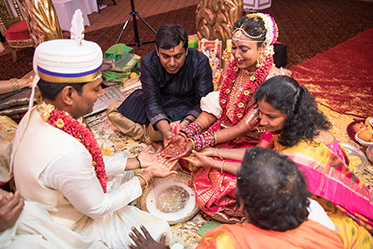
(124, 27)
(136, 30)
(147, 24)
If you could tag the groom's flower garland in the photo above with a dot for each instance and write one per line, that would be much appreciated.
(66, 123)
(247, 91)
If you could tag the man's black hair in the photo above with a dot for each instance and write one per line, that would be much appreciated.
(170, 36)
(50, 90)
(273, 190)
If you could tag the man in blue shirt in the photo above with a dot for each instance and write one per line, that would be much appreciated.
(174, 78)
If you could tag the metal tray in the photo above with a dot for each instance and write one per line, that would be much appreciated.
(352, 150)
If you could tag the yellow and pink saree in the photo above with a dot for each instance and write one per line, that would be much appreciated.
(341, 193)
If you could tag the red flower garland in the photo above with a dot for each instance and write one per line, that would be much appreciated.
(249, 88)
(66, 123)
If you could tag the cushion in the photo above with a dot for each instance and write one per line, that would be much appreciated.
(18, 31)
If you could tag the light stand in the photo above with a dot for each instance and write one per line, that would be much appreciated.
(135, 29)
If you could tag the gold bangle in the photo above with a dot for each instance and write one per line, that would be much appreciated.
(215, 141)
(222, 167)
(146, 182)
(182, 134)
(151, 178)
(217, 151)
(193, 143)
(15, 84)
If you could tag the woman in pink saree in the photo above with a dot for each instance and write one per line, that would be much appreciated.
(299, 130)
(229, 117)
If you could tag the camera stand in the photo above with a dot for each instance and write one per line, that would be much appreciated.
(135, 29)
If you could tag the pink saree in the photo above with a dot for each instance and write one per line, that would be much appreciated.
(330, 178)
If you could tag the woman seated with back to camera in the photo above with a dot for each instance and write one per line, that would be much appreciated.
(271, 192)
(228, 115)
(297, 128)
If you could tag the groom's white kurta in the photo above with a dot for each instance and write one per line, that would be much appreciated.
(55, 170)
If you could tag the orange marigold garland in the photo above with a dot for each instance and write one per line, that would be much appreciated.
(66, 123)
(249, 88)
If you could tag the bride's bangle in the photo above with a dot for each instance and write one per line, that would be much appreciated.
(181, 133)
(193, 143)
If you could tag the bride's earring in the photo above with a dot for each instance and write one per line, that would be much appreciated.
(259, 61)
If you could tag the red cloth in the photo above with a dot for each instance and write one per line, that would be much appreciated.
(18, 31)
(342, 77)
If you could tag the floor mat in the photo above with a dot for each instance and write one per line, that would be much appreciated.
(341, 78)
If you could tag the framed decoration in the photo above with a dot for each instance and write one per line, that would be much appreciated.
(212, 49)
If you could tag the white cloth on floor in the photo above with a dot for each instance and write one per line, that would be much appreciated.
(317, 213)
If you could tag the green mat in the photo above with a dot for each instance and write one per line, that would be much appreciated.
(207, 226)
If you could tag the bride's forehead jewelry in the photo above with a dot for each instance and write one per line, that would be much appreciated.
(238, 32)
(236, 40)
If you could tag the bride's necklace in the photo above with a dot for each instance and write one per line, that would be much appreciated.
(236, 91)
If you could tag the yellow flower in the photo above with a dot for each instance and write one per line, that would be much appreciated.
(106, 151)
(45, 112)
(59, 123)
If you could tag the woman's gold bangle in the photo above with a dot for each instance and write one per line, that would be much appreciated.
(146, 182)
(217, 152)
(193, 143)
(15, 84)
(183, 134)
(222, 167)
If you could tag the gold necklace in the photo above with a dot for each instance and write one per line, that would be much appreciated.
(234, 93)
(247, 73)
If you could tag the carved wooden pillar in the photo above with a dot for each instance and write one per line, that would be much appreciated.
(215, 18)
